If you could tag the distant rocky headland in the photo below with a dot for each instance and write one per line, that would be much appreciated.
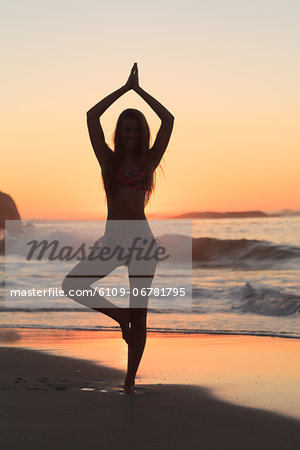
(8, 209)
(222, 215)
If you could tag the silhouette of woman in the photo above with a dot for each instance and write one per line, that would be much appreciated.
(128, 177)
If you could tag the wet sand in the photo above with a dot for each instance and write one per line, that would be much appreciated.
(57, 402)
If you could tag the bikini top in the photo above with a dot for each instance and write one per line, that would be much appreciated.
(134, 179)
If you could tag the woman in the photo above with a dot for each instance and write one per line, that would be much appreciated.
(128, 177)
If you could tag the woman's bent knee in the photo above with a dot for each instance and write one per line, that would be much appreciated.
(66, 286)
(71, 285)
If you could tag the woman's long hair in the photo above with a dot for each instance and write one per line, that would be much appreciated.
(109, 178)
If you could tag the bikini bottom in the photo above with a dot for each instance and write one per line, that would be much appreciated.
(132, 243)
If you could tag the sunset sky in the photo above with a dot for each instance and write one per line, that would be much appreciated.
(228, 70)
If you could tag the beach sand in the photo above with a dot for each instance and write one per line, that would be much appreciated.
(55, 394)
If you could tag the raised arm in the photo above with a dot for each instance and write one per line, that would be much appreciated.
(101, 149)
(167, 121)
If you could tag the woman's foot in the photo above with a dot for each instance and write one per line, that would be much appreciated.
(129, 388)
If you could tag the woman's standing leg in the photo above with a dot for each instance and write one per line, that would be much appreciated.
(138, 321)
(136, 346)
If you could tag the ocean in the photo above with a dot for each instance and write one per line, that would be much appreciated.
(242, 278)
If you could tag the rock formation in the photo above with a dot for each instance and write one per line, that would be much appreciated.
(8, 209)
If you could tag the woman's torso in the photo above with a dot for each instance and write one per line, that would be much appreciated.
(127, 200)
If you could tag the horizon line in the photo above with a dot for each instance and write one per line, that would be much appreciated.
(171, 215)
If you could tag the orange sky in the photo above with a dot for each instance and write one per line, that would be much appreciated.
(230, 80)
